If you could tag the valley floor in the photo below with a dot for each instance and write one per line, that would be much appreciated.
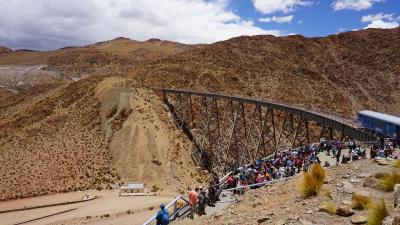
(108, 209)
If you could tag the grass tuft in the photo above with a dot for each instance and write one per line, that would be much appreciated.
(311, 182)
(328, 207)
(377, 211)
(360, 201)
(328, 194)
(318, 172)
(389, 180)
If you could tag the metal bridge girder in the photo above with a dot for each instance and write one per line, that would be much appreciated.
(225, 128)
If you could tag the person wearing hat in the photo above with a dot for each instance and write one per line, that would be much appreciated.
(162, 216)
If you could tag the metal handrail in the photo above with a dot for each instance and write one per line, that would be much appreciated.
(173, 214)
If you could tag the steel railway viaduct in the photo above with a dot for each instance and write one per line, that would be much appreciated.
(225, 128)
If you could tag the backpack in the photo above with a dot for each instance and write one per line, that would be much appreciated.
(165, 217)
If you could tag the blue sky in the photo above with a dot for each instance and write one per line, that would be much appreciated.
(49, 24)
(319, 18)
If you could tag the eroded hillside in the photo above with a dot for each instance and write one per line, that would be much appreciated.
(341, 73)
(54, 134)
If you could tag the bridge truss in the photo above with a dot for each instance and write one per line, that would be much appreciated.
(224, 128)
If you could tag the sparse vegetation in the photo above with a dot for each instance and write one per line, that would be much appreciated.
(154, 188)
(389, 180)
(360, 201)
(328, 194)
(328, 207)
(377, 212)
(311, 182)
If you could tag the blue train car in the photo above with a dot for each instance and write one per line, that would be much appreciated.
(380, 122)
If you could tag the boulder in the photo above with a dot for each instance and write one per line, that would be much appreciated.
(344, 210)
(358, 219)
(371, 182)
(346, 203)
(348, 187)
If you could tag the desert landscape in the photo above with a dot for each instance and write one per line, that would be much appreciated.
(84, 120)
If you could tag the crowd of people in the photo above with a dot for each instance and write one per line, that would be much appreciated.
(288, 163)
(385, 150)
(282, 164)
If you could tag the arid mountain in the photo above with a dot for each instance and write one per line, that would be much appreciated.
(119, 47)
(65, 125)
(342, 73)
(96, 124)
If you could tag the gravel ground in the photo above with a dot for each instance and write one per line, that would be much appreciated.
(281, 203)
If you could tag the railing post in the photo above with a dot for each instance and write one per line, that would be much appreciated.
(175, 208)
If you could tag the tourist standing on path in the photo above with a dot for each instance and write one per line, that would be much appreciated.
(201, 202)
(193, 201)
(338, 153)
(162, 216)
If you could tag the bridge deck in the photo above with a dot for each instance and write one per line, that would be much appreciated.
(348, 127)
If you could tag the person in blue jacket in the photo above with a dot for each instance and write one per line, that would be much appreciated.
(162, 216)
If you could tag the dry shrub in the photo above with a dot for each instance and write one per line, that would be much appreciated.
(311, 182)
(377, 212)
(318, 172)
(328, 207)
(360, 201)
(389, 180)
(154, 188)
(328, 194)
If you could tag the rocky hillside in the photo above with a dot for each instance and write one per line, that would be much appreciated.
(341, 73)
(281, 203)
(63, 135)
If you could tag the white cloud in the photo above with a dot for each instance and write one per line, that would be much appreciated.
(380, 20)
(42, 24)
(379, 16)
(354, 4)
(300, 22)
(382, 24)
(277, 19)
(271, 6)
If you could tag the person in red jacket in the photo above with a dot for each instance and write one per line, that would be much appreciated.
(193, 201)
